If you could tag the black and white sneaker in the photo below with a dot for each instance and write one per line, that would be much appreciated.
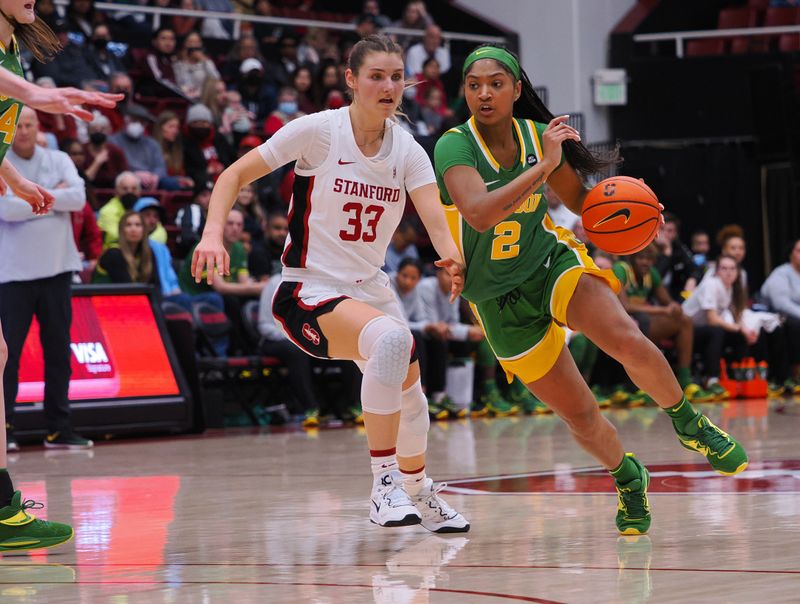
(390, 505)
(67, 440)
(437, 515)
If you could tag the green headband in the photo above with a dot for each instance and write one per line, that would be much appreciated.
(501, 55)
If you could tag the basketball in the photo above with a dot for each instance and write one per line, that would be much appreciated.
(621, 215)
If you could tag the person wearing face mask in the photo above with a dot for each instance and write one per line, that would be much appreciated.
(119, 83)
(206, 152)
(127, 189)
(287, 111)
(142, 151)
(258, 94)
(104, 160)
(103, 62)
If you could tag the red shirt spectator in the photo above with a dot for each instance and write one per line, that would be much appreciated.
(88, 239)
(63, 126)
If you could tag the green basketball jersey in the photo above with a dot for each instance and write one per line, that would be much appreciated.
(9, 108)
(502, 257)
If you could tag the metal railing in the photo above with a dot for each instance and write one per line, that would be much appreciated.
(239, 18)
(680, 36)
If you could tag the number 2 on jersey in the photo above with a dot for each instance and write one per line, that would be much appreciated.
(366, 232)
(506, 236)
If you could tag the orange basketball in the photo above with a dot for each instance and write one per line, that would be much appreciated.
(621, 215)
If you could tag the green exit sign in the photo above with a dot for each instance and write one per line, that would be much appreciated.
(610, 87)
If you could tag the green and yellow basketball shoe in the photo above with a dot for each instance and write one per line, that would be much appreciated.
(22, 531)
(497, 405)
(725, 454)
(529, 403)
(633, 508)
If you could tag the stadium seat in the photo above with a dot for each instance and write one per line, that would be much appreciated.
(175, 312)
(732, 18)
(705, 47)
(250, 322)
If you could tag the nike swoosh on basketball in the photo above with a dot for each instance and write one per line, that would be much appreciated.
(344, 163)
(625, 212)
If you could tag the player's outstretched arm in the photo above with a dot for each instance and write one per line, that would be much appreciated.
(210, 254)
(54, 100)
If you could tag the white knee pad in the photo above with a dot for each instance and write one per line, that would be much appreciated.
(386, 344)
(412, 438)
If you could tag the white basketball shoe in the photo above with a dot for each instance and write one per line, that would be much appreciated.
(390, 504)
(437, 515)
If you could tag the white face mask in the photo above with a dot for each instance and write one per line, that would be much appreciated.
(134, 130)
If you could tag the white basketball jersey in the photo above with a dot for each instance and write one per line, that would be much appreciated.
(344, 212)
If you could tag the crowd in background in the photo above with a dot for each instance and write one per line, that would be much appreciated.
(196, 99)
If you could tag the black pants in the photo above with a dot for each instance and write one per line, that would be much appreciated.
(792, 328)
(299, 365)
(773, 348)
(711, 341)
(50, 299)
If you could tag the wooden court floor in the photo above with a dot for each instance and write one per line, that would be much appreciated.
(281, 517)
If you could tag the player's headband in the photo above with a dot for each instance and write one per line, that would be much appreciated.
(501, 55)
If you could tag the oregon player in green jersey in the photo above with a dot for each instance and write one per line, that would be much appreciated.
(20, 530)
(527, 278)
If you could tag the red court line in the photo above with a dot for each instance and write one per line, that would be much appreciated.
(467, 592)
(476, 566)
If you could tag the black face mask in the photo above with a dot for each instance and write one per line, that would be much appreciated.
(199, 133)
(97, 138)
(253, 78)
(100, 43)
(128, 200)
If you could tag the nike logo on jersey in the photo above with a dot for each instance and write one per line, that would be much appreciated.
(491, 182)
(624, 212)
(547, 262)
(345, 163)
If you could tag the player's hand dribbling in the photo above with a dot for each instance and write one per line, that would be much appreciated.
(555, 134)
(210, 256)
(458, 272)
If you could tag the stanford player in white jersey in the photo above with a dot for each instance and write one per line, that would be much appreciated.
(354, 166)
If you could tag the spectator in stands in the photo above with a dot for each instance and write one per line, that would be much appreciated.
(63, 126)
(431, 46)
(373, 7)
(432, 112)
(415, 16)
(781, 293)
(46, 9)
(103, 62)
(288, 110)
(641, 283)
(731, 242)
(127, 190)
(142, 151)
(266, 34)
(88, 239)
(217, 29)
(700, 247)
(245, 48)
(715, 308)
(37, 259)
(193, 67)
(214, 96)
(206, 152)
(428, 78)
(237, 121)
(255, 219)
(258, 95)
(104, 160)
(153, 218)
(191, 220)
(77, 154)
(402, 246)
(135, 258)
(236, 287)
(314, 47)
(281, 71)
(119, 83)
(160, 65)
(327, 79)
(70, 67)
(366, 25)
(276, 232)
(168, 134)
(674, 263)
(302, 82)
(81, 17)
